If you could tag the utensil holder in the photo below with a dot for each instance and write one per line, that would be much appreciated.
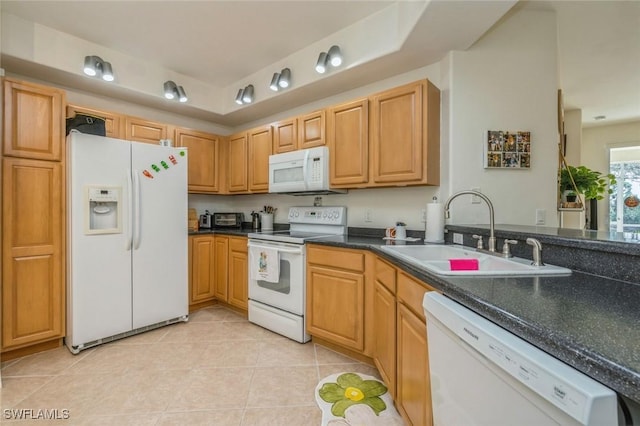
(266, 220)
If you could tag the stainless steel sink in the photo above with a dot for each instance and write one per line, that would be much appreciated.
(435, 259)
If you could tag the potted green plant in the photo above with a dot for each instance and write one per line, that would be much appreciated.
(570, 196)
(590, 183)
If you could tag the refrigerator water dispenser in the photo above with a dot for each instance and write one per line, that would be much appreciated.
(103, 214)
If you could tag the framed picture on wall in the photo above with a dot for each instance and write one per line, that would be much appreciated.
(506, 149)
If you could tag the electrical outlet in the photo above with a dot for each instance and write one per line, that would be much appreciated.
(457, 238)
(474, 198)
(424, 216)
(368, 215)
(540, 216)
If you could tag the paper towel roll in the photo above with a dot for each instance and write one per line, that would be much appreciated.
(435, 223)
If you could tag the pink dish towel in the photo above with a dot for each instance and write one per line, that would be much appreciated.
(463, 264)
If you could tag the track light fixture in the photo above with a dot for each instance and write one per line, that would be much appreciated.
(333, 57)
(280, 80)
(94, 65)
(245, 96)
(173, 91)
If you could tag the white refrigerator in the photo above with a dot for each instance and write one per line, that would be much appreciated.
(127, 245)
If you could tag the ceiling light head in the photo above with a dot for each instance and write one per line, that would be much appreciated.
(321, 65)
(335, 56)
(182, 96)
(170, 89)
(247, 94)
(107, 72)
(239, 97)
(285, 78)
(274, 82)
(90, 65)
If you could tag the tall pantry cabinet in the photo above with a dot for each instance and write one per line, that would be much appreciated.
(33, 212)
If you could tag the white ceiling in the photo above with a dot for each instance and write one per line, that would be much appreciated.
(222, 44)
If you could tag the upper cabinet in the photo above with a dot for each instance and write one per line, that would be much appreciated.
(259, 143)
(113, 123)
(33, 121)
(405, 135)
(204, 159)
(390, 139)
(348, 140)
(237, 176)
(306, 131)
(139, 130)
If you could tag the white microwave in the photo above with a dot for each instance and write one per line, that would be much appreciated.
(302, 172)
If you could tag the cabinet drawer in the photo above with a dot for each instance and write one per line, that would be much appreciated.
(352, 260)
(411, 292)
(386, 274)
(238, 244)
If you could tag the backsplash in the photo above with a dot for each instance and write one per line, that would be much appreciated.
(382, 206)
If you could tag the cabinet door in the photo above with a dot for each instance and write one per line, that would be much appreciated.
(311, 130)
(238, 272)
(259, 150)
(113, 123)
(33, 288)
(348, 140)
(204, 159)
(413, 393)
(202, 269)
(237, 176)
(139, 130)
(33, 121)
(221, 247)
(335, 306)
(405, 135)
(285, 136)
(384, 324)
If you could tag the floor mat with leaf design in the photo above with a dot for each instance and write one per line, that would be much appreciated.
(350, 399)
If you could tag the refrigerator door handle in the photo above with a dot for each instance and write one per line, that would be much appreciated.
(130, 213)
(136, 201)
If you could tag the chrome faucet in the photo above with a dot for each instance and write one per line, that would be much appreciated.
(492, 237)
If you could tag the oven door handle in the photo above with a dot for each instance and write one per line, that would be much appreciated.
(274, 247)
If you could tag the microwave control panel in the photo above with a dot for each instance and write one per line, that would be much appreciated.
(316, 169)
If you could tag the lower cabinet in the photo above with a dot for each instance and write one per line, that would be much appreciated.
(218, 271)
(238, 273)
(400, 348)
(201, 267)
(336, 287)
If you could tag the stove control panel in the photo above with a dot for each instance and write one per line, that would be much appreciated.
(318, 215)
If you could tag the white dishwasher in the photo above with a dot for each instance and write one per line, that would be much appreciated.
(483, 375)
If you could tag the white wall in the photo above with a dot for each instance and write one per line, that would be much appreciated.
(596, 142)
(506, 81)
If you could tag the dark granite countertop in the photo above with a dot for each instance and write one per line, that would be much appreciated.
(590, 322)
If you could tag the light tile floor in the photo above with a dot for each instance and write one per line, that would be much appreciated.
(217, 369)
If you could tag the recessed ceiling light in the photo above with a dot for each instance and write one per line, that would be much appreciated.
(599, 117)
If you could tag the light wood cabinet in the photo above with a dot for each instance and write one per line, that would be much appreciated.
(405, 135)
(202, 270)
(311, 130)
(384, 320)
(238, 272)
(113, 123)
(204, 159)
(285, 136)
(348, 141)
(33, 121)
(140, 130)
(413, 386)
(336, 295)
(221, 269)
(259, 142)
(33, 287)
(306, 131)
(237, 173)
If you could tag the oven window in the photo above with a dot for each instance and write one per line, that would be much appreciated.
(284, 284)
(291, 174)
